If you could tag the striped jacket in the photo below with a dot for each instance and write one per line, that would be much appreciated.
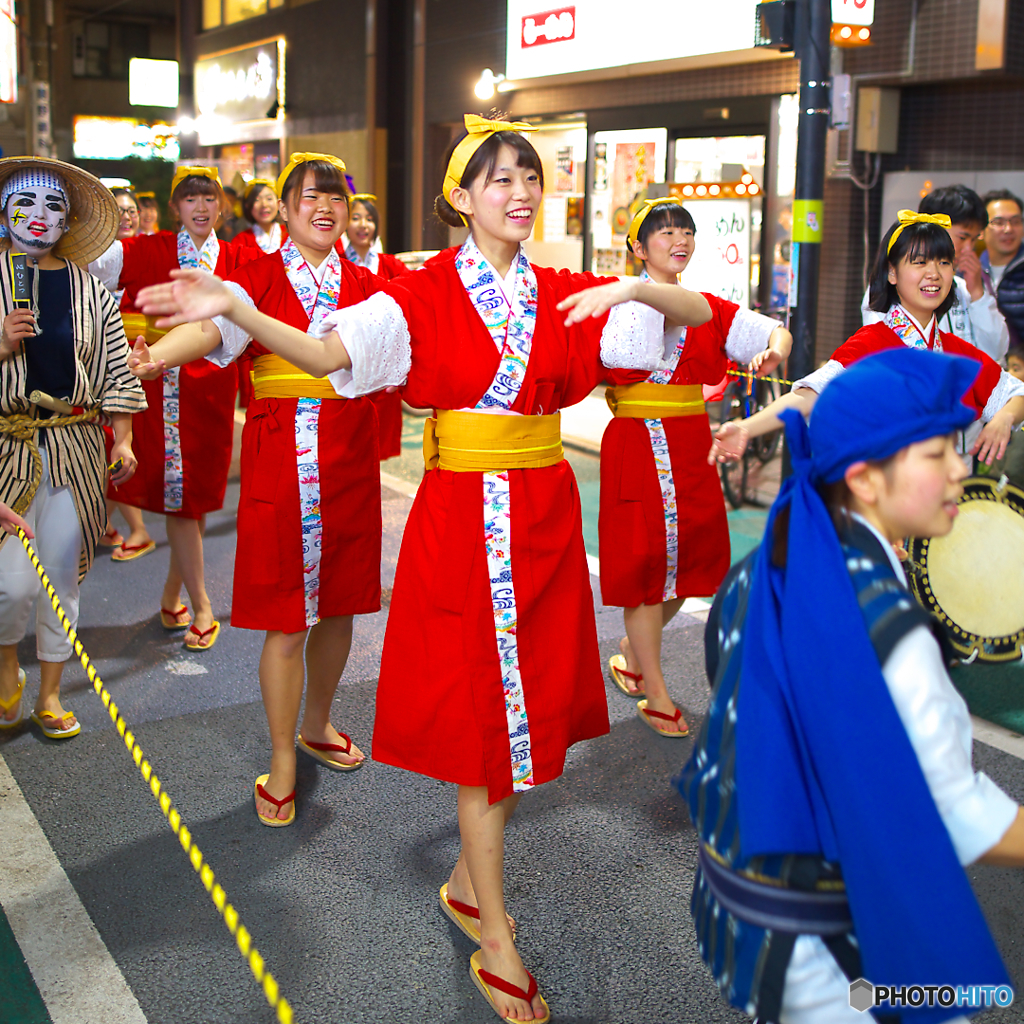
(102, 380)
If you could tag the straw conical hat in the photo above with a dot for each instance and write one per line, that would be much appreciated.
(93, 218)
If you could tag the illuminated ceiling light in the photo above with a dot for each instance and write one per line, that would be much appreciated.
(741, 189)
(687, 190)
(714, 190)
(186, 125)
(864, 33)
(747, 179)
(752, 190)
(484, 88)
(845, 32)
(702, 190)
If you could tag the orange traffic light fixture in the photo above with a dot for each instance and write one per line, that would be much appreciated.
(850, 35)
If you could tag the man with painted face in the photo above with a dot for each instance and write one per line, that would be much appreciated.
(63, 364)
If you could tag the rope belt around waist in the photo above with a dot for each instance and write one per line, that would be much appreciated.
(23, 428)
(274, 377)
(775, 906)
(474, 442)
(136, 324)
(646, 401)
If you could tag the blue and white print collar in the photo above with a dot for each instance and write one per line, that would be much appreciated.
(203, 259)
(664, 375)
(910, 332)
(510, 322)
(318, 298)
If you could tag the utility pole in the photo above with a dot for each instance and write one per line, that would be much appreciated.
(811, 39)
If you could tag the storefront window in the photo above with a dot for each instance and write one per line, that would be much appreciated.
(557, 239)
(211, 13)
(217, 12)
(779, 212)
(625, 164)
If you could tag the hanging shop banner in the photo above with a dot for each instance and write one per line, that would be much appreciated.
(721, 261)
(8, 53)
(241, 85)
(544, 40)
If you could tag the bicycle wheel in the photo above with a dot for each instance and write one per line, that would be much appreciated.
(734, 480)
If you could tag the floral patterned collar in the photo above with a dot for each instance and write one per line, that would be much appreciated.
(204, 259)
(903, 325)
(318, 297)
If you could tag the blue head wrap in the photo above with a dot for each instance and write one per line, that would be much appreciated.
(824, 765)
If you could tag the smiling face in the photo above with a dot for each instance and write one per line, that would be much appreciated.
(1005, 230)
(315, 219)
(36, 218)
(264, 207)
(129, 225)
(362, 232)
(198, 214)
(503, 205)
(666, 252)
(922, 284)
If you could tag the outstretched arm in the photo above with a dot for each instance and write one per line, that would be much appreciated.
(992, 441)
(679, 305)
(731, 439)
(194, 295)
(179, 346)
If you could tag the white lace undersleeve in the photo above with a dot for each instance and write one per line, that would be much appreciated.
(634, 338)
(108, 266)
(748, 335)
(376, 336)
(233, 340)
(1007, 388)
(820, 378)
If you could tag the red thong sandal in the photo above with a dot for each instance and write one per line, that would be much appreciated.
(194, 638)
(129, 552)
(320, 752)
(465, 917)
(112, 538)
(172, 619)
(264, 795)
(646, 714)
(485, 981)
(617, 665)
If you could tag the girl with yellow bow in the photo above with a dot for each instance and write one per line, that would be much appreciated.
(183, 440)
(490, 669)
(912, 285)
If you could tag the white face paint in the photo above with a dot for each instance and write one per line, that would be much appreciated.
(36, 218)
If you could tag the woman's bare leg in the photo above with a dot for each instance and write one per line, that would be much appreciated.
(49, 690)
(642, 644)
(185, 537)
(482, 828)
(137, 532)
(326, 654)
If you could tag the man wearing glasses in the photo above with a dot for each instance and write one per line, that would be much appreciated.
(1003, 259)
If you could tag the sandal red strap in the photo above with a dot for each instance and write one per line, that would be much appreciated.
(183, 610)
(637, 677)
(463, 908)
(134, 547)
(667, 718)
(273, 799)
(335, 746)
(508, 988)
(192, 629)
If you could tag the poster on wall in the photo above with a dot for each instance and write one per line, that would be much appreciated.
(565, 174)
(632, 171)
(721, 261)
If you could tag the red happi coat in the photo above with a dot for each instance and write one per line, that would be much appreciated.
(440, 702)
(269, 591)
(389, 403)
(207, 399)
(878, 337)
(631, 525)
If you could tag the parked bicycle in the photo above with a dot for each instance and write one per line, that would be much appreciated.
(743, 397)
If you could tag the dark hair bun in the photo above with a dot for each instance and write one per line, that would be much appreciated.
(447, 213)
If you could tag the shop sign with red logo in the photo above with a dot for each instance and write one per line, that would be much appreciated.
(853, 12)
(549, 26)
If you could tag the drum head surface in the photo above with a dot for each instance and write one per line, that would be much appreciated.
(977, 570)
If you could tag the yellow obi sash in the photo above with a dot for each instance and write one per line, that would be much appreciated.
(274, 377)
(475, 442)
(646, 401)
(136, 324)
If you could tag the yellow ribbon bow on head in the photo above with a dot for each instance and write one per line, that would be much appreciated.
(641, 214)
(305, 158)
(367, 196)
(195, 172)
(480, 130)
(258, 183)
(908, 217)
(145, 195)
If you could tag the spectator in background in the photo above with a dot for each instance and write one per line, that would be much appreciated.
(974, 316)
(232, 223)
(1003, 259)
(149, 213)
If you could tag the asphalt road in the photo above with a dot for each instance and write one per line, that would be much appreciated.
(343, 904)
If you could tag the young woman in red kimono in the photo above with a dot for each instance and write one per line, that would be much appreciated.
(657, 551)
(309, 520)
(363, 230)
(913, 286)
(183, 440)
(491, 646)
(259, 205)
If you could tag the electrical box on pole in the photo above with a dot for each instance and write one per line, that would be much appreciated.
(878, 120)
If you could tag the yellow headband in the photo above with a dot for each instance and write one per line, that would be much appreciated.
(257, 183)
(189, 172)
(908, 217)
(641, 214)
(305, 158)
(368, 196)
(480, 130)
(145, 195)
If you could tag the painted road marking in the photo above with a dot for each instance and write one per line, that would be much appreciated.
(75, 973)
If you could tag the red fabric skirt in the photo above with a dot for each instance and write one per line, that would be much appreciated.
(206, 425)
(631, 525)
(440, 703)
(271, 567)
(389, 417)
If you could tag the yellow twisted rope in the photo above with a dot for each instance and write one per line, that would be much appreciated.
(228, 913)
(23, 427)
